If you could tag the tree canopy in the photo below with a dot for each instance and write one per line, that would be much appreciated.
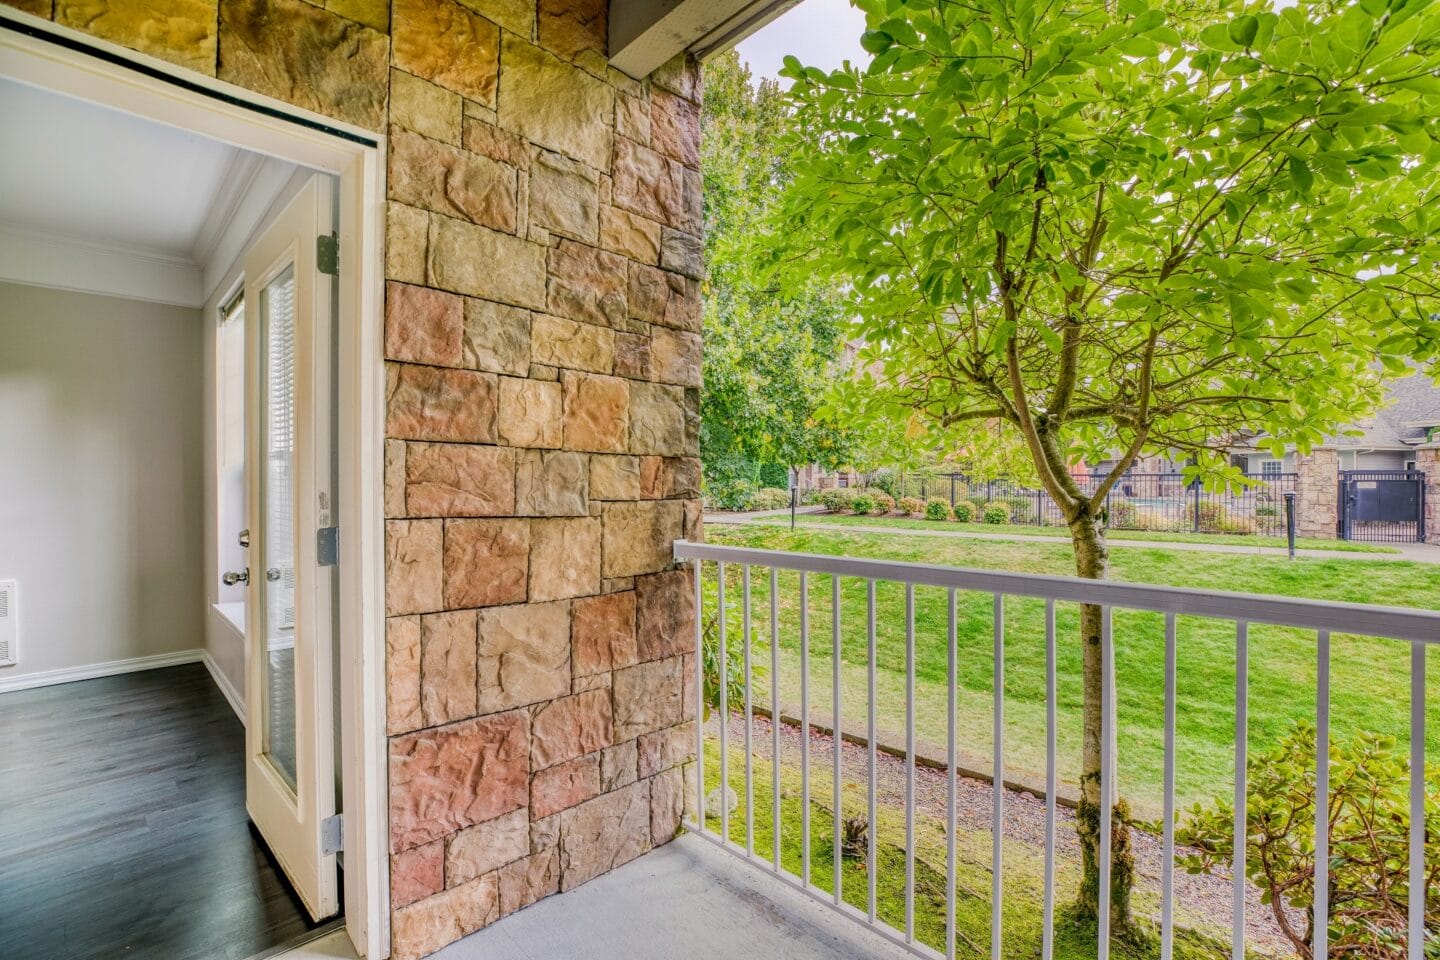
(1119, 229)
(771, 351)
(1111, 228)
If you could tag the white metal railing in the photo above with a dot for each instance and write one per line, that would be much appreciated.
(1418, 627)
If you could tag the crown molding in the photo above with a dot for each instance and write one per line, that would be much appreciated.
(79, 264)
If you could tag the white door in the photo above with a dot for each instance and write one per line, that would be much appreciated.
(289, 742)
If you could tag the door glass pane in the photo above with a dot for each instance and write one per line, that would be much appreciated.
(277, 497)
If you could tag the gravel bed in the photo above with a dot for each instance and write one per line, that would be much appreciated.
(1204, 900)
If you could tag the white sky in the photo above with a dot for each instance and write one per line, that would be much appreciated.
(822, 33)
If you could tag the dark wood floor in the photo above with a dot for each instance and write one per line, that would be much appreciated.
(122, 825)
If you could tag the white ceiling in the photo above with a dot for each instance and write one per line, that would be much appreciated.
(96, 175)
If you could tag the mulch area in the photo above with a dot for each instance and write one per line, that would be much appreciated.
(1201, 901)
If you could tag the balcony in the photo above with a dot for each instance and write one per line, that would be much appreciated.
(964, 846)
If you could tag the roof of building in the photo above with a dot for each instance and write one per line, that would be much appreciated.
(1410, 409)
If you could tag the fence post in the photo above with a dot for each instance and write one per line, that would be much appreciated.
(1195, 486)
(952, 491)
(794, 497)
(1290, 522)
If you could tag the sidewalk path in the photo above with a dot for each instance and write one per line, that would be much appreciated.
(1417, 552)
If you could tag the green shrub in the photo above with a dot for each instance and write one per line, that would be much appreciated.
(996, 511)
(884, 503)
(1123, 515)
(863, 504)
(965, 511)
(768, 498)
(1369, 819)
(937, 508)
(837, 499)
(884, 481)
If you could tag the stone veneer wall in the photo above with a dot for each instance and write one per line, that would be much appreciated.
(1318, 486)
(542, 336)
(1427, 460)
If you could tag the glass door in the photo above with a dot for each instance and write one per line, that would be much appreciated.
(290, 782)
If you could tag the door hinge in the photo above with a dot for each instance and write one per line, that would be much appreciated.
(327, 546)
(332, 834)
(327, 254)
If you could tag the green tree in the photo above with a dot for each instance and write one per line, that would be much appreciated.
(770, 353)
(1117, 229)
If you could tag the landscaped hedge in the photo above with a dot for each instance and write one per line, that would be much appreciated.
(996, 512)
(937, 508)
(965, 511)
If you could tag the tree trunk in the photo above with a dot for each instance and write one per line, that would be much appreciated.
(1092, 561)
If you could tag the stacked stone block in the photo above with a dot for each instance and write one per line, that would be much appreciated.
(542, 343)
(1318, 484)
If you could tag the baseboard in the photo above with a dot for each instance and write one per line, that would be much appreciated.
(227, 689)
(110, 668)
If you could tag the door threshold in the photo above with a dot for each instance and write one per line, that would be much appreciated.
(329, 941)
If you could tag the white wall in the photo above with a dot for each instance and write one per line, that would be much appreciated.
(100, 476)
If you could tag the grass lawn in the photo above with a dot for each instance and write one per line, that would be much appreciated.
(1021, 913)
(1369, 677)
(1232, 539)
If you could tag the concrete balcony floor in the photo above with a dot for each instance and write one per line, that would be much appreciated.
(688, 900)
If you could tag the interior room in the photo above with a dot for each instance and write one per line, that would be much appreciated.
(124, 662)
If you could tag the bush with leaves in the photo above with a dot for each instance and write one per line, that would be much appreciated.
(734, 668)
(1122, 515)
(995, 511)
(768, 498)
(965, 511)
(1369, 822)
(910, 506)
(863, 504)
(837, 499)
(937, 508)
(884, 503)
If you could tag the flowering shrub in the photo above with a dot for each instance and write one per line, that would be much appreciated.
(910, 506)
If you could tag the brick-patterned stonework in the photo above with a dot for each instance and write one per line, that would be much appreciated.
(1318, 486)
(542, 336)
(1427, 461)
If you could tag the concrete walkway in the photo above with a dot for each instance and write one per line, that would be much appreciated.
(688, 900)
(1417, 552)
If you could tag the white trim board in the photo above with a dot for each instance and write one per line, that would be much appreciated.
(110, 668)
(62, 262)
(227, 689)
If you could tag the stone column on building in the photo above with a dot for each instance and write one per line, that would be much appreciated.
(1319, 493)
(1427, 461)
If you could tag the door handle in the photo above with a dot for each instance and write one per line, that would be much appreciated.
(230, 578)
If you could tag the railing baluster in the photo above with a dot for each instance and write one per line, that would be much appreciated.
(1167, 863)
(1242, 737)
(1321, 920)
(997, 836)
(871, 867)
(1107, 760)
(952, 665)
(699, 698)
(909, 763)
(749, 717)
(775, 718)
(1417, 801)
(723, 707)
(836, 739)
(804, 729)
(1047, 931)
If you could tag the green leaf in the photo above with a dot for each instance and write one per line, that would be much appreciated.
(1301, 176)
(875, 41)
(1243, 29)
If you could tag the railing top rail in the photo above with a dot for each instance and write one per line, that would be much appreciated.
(1399, 623)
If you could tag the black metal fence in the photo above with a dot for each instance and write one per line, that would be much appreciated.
(1382, 506)
(1161, 502)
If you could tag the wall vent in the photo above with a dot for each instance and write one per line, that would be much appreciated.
(9, 622)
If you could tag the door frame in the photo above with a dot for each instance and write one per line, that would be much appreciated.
(56, 58)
